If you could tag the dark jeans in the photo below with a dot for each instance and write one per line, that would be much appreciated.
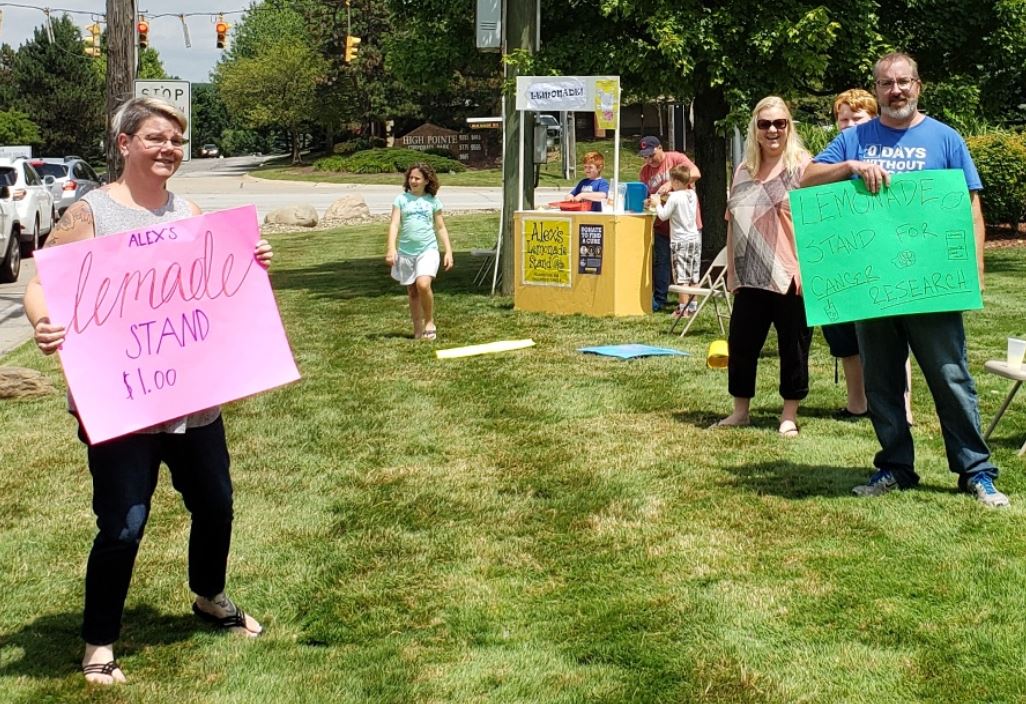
(938, 342)
(125, 474)
(660, 269)
(753, 313)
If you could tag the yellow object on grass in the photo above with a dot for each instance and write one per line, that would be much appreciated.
(718, 355)
(486, 348)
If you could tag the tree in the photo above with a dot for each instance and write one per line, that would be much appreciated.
(970, 56)
(726, 57)
(8, 90)
(17, 128)
(209, 115)
(276, 87)
(60, 91)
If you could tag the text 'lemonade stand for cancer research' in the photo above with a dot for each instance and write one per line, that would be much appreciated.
(165, 321)
(908, 249)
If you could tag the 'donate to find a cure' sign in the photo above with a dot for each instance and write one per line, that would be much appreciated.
(165, 321)
(908, 249)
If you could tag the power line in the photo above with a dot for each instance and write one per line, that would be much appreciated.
(100, 14)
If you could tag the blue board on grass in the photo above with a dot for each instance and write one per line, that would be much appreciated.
(632, 351)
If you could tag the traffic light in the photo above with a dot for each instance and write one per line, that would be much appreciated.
(144, 32)
(222, 33)
(352, 46)
(92, 44)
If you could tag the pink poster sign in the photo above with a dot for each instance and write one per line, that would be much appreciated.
(165, 321)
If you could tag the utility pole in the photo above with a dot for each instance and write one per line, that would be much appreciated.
(520, 31)
(120, 71)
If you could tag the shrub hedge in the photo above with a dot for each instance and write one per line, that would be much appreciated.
(1000, 158)
(385, 161)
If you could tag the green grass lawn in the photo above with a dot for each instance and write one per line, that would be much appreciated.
(551, 174)
(536, 526)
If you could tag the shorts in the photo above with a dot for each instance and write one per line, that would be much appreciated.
(841, 339)
(687, 260)
(408, 267)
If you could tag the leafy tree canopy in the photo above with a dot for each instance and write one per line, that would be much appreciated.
(17, 128)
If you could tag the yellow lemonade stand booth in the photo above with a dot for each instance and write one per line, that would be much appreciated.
(595, 263)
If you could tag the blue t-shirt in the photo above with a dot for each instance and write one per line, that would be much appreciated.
(929, 145)
(417, 223)
(592, 185)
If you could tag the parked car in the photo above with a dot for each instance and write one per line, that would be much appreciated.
(10, 248)
(553, 130)
(35, 213)
(209, 150)
(72, 179)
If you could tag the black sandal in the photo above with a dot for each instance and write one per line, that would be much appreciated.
(226, 623)
(102, 668)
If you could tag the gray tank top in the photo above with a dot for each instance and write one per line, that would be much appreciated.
(110, 217)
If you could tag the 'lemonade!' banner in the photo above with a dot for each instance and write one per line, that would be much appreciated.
(546, 248)
(908, 249)
(165, 321)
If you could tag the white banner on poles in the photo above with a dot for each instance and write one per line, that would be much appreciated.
(570, 93)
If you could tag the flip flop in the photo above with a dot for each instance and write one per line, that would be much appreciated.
(844, 414)
(227, 623)
(788, 429)
(720, 424)
(103, 668)
(429, 334)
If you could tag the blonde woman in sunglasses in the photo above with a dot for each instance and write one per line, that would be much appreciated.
(762, 266)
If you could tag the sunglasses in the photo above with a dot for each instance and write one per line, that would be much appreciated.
(779, 125)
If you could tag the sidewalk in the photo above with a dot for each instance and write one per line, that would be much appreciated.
(14, 327)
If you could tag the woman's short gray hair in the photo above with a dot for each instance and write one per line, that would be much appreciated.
(136, 111)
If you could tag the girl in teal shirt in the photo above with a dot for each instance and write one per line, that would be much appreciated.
(412, 251)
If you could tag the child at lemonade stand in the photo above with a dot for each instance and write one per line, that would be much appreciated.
(592, 187)
(681, 209)
(417, 224)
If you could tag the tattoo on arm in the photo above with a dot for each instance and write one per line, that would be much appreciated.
(76, 219)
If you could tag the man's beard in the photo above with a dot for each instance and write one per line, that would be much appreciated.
(903, 113)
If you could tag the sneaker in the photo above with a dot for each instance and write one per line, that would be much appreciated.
(879, 484)
(983, 486)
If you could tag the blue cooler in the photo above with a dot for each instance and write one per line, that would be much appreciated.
(637, 192)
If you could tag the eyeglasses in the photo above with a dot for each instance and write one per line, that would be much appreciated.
(156, 141)
(902, 83)
(780, 124)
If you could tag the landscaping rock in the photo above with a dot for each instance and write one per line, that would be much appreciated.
(348, 208)
(17, 382)
(296, 216)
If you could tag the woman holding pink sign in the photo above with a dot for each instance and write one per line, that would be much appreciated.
(149, 134)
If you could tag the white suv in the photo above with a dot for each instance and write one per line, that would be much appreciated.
(35, 214)
(10, 248)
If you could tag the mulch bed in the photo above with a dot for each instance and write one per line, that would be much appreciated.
(1001, 236)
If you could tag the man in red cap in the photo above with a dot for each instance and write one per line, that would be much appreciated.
(655, 174)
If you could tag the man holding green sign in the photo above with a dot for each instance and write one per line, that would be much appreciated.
(903, 139)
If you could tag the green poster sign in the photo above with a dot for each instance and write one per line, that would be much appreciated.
(908, 249)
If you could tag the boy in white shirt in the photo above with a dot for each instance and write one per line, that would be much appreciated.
(681, 209)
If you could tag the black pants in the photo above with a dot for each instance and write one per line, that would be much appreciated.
(125, 474)
(754, 311)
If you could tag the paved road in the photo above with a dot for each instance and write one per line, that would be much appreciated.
(14, 328)
(216, 184)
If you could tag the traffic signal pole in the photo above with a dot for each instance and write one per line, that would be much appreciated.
(120, 70)
(520, 31)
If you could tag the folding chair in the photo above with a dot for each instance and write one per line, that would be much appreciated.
(712, 286)
(1017, 375)
(485, 270)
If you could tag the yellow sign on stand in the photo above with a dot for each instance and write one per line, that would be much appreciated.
(546, 248)
(610, 253)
